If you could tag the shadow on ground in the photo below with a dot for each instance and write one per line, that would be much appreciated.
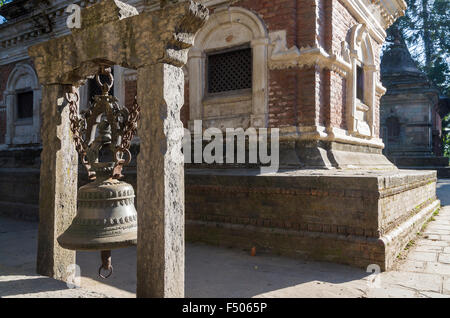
(210, 272)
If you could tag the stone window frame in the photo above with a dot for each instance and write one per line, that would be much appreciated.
(361, 54)
(13, 87)
(222, 19)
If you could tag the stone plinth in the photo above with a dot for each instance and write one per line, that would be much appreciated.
(354, 218)
(357, 218)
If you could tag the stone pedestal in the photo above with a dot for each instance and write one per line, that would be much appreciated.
(318, 154)
(357, 218)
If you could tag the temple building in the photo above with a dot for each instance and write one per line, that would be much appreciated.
(309, 69)
(411, 113)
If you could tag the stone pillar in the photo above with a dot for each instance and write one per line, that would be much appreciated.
(160, 183)
(196, 85)
(58, 190)
(259, 118)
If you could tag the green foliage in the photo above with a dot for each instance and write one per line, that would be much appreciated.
(2, 2)
(426, 30)
(446, 135)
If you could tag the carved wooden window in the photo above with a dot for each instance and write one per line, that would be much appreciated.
(360, 83)
(229, 70)
(25, 105)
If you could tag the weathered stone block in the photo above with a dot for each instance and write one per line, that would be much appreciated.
(306, 214)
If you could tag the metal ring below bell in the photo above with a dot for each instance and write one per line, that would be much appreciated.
(111, 269)
(125, 152)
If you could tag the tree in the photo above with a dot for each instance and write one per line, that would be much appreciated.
(2, 2)
(426, 29)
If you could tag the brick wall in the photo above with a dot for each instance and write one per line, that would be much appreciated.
(361, 220)
(307, 96)
(283, 98)
(279, 15)
(5, 70)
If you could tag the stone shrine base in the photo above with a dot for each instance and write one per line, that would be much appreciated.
(351, 217)
(440, 164)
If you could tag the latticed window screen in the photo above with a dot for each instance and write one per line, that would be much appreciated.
(229, 71)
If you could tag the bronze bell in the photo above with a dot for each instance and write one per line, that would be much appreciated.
(106, 218)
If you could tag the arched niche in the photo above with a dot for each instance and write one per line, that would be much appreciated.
(361, 84)
(228, 29)
(22, 88)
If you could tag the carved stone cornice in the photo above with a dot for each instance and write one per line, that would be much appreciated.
(281, 57)
(162, 36)
(399, 7)
(330, 134)
(389, 11)
(33, 27)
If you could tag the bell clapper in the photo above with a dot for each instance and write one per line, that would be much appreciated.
(106, 264)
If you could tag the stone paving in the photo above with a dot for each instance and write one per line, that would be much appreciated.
(423, 270)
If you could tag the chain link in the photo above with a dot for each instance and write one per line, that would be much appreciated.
(130, 126)
(76, 125)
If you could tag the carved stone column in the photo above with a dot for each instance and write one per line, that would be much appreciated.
(58, 189)
(160, 179)
(259, 118)
(196, 85)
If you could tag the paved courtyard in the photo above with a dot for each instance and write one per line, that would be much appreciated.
(423, 269)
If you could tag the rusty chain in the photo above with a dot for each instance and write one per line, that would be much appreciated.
(76, 126)
(78, 123)
(130, 129)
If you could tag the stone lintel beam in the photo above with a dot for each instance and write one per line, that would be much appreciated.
(161, 36)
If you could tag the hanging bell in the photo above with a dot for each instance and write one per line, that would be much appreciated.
(106, 218)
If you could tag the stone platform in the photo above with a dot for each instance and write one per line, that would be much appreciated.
(356, 218)
(351, 217)
(439, 164)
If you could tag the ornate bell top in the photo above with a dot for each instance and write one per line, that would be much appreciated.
(105, 125)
